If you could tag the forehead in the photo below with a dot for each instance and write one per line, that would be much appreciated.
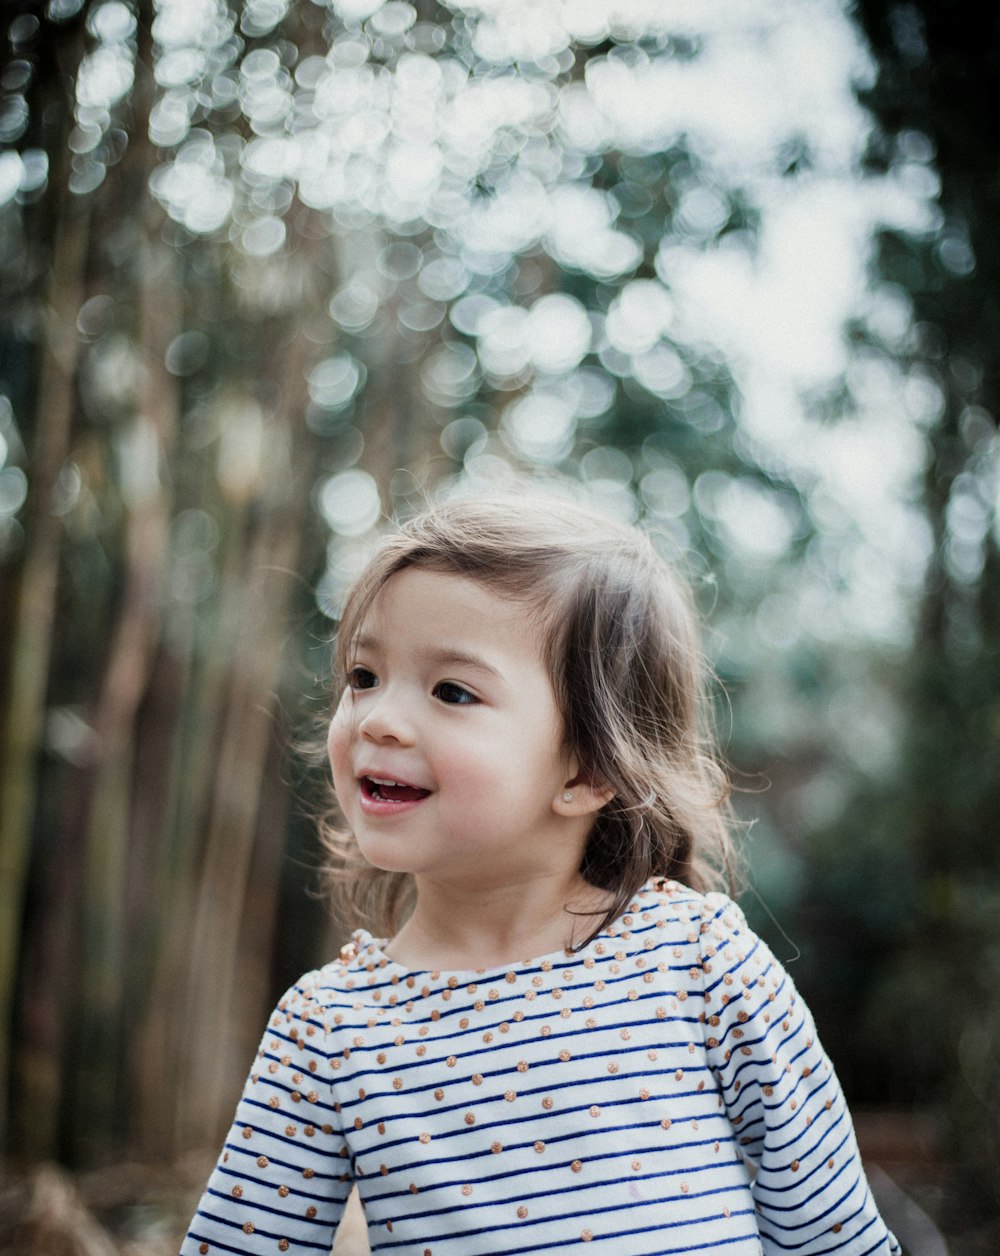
(426, 608)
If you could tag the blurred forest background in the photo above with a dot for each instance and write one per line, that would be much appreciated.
(274, 271)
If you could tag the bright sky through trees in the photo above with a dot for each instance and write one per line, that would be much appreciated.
(491, 144)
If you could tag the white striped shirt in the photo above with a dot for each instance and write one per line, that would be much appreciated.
(610, 1097)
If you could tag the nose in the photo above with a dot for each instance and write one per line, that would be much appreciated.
(386, 718)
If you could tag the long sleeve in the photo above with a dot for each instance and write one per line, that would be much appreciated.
(783, 1099)
(283, 1177)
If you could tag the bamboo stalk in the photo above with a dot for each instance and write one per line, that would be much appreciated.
(34, 615)
(110, 851)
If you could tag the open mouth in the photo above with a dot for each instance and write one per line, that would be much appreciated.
(379, 789)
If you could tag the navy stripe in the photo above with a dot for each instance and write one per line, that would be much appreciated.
(266, 1234)
(612, 1234)
(561, 1165)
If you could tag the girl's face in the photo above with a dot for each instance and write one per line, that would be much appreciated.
(447, 746)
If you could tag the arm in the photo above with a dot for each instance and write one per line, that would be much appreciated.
(284, 1174)
(783, 1099)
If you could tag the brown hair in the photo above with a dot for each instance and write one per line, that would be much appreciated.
(621, 647)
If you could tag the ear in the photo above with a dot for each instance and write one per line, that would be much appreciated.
(581, 796)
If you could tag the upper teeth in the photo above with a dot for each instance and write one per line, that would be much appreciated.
(376, 780)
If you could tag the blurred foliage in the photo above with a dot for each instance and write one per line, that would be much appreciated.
(273, 271)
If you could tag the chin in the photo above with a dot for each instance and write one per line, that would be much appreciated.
(381, 855)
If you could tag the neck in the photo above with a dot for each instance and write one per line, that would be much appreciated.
(489, 926)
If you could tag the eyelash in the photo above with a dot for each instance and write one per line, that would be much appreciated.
(467, 698)
(356, 676)
(360, 678)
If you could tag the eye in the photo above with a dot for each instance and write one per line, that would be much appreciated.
(361, 678)
(454, 694)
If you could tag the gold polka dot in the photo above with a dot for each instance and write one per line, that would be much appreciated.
(203, 1249)
(586, 1236)
(466, 1190)
(666, 1123)
(248, 1227)
(595, 1110)
(510, 1095)
(577, 1166)
(522, 1066)
(539, 1146)
(425, 1138)
(477, 1079)
(636, 1165)
(496, 1148)
(283, 1192)
(565, 1056)
(795, 1166)
(837, 1228)
(522, 1212)
(310, 1212)
(470, 1118)
(238, 1192)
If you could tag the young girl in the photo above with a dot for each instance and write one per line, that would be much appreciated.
(565, 1037)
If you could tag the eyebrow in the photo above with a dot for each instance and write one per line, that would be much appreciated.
(443, 657)
(461, 658)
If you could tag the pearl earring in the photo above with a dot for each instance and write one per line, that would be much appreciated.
(567, 795)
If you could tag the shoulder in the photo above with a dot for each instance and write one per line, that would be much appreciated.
(322, 994)
(709, 915)
(700, 933)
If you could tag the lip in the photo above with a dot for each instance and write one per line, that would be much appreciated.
(374, 805)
